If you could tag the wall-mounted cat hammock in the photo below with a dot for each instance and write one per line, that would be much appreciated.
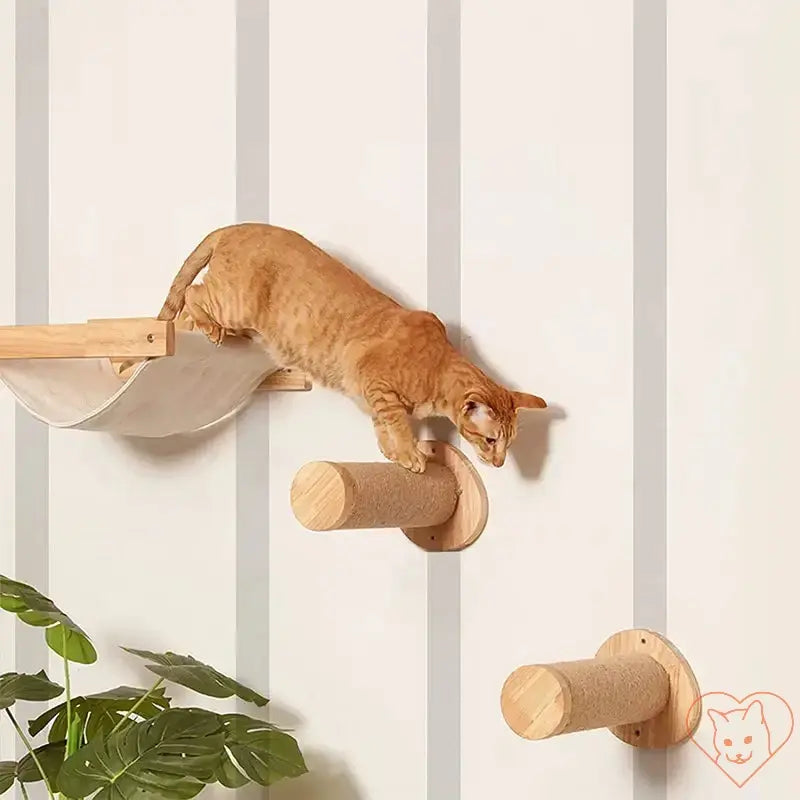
(638, 685)
(443, 508)
(65, 376)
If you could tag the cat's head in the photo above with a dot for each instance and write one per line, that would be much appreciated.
(487, 419)
(741, 733)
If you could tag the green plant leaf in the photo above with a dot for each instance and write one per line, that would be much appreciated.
(34, 618)
(264, 753)
(15, 686)
(169, 756)
(70, 644)
(100, 712)
(229, 775)
(50, 756)
(195, 675)
(8, 774)
(11, 604)
(34, 608)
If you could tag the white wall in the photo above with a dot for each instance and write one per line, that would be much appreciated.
(142, 538)
(733, 280)
(547, 300)
(347, 168)
(142, 548)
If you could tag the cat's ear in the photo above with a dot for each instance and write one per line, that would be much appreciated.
(477, 409)
(524, 400)
(717, 717)
(754, 712)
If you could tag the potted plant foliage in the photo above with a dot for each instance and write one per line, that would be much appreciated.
(127, 742)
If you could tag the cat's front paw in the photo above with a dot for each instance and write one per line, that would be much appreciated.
(412, 460)
(402, 451)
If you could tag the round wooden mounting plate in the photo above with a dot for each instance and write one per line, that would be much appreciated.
(472, 509)
(681, 716)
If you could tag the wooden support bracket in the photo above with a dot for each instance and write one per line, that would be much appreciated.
(117, 338)
(638, 685)
(444, 508)
(287, 379)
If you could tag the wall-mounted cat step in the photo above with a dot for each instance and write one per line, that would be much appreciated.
(638, 685)
(65, 375)
(443, 508)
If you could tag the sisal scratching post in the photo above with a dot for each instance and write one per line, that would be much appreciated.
(444, 508)
(638, 685)
(351, 496)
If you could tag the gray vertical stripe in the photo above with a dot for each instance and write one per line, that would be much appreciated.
(252, 425)
(31, 301)
(650, 346)
(444, 299)
(31, 306)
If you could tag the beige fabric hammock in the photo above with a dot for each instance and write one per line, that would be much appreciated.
(197, 387)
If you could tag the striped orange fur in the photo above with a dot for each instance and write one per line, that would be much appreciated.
(312, 312)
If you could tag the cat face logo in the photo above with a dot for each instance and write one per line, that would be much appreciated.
(741, 736)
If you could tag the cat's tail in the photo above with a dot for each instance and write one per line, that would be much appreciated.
(197, 260)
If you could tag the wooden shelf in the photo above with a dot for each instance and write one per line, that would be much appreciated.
(116, 339)
(125, 342)
(144, 378)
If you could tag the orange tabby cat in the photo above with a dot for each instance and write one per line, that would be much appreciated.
(314, 313)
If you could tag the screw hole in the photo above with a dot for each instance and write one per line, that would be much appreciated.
(150, 338)
(637, 733)
(644, 641)
(433, 538)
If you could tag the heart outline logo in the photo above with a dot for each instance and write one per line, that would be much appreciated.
(760, 721)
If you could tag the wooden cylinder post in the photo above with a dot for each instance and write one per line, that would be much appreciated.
(329, 496)
(444, 508)
(638, 685)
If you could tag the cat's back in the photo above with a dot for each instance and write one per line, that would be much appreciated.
(263, 240)
(291, 287)
(283, 256)
(311, 309)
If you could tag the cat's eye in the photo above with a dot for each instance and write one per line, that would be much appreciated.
(489, 440)
(748, 739)
(727, 743)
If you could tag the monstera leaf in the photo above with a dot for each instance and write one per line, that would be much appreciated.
(100, 713)
(258, 751)
(51, 757)
(62, 634)
(195, 675)
(8, 774)
(170, 756)
(15, 686)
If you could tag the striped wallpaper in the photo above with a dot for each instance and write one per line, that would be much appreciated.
(503, 163)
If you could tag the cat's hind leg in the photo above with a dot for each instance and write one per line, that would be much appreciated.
(196, 307)
(393, 430)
